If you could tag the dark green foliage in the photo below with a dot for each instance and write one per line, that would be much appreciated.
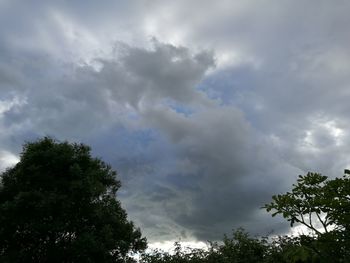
(323, 206)
(58, 204)
(180, 255)
(240, 248)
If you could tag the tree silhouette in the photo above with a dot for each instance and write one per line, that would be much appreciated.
(58, 204)
(323, 206)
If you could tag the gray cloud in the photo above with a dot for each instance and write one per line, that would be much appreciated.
(205, 123)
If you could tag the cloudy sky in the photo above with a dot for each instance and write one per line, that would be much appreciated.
(205, 108)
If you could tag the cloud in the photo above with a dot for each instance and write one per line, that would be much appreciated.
(183, 142)
(205, 109)
(121, 85)
(7, 159)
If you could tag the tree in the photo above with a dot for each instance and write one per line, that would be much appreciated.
(238, 248)
(323, 206)
(58, 204)
(242, 248)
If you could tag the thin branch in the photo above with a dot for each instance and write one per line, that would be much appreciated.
(310, 219)
(322, 222)
(307, 225)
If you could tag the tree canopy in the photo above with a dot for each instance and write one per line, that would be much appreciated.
(58, 204)
(323, 206)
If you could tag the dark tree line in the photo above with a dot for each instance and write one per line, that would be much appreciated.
(58, 204)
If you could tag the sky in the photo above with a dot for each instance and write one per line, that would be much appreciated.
(205, 108)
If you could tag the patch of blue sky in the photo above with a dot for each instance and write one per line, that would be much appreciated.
(122, 141)
(125, 148)
(239, 87)
(229, 86)
(179, 107)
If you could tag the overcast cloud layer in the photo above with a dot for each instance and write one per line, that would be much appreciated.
(205, 108)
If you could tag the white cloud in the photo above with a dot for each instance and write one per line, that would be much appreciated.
(229, 95)
(7, 160)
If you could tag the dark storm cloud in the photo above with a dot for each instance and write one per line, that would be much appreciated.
(227, 169)
(204, 123)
